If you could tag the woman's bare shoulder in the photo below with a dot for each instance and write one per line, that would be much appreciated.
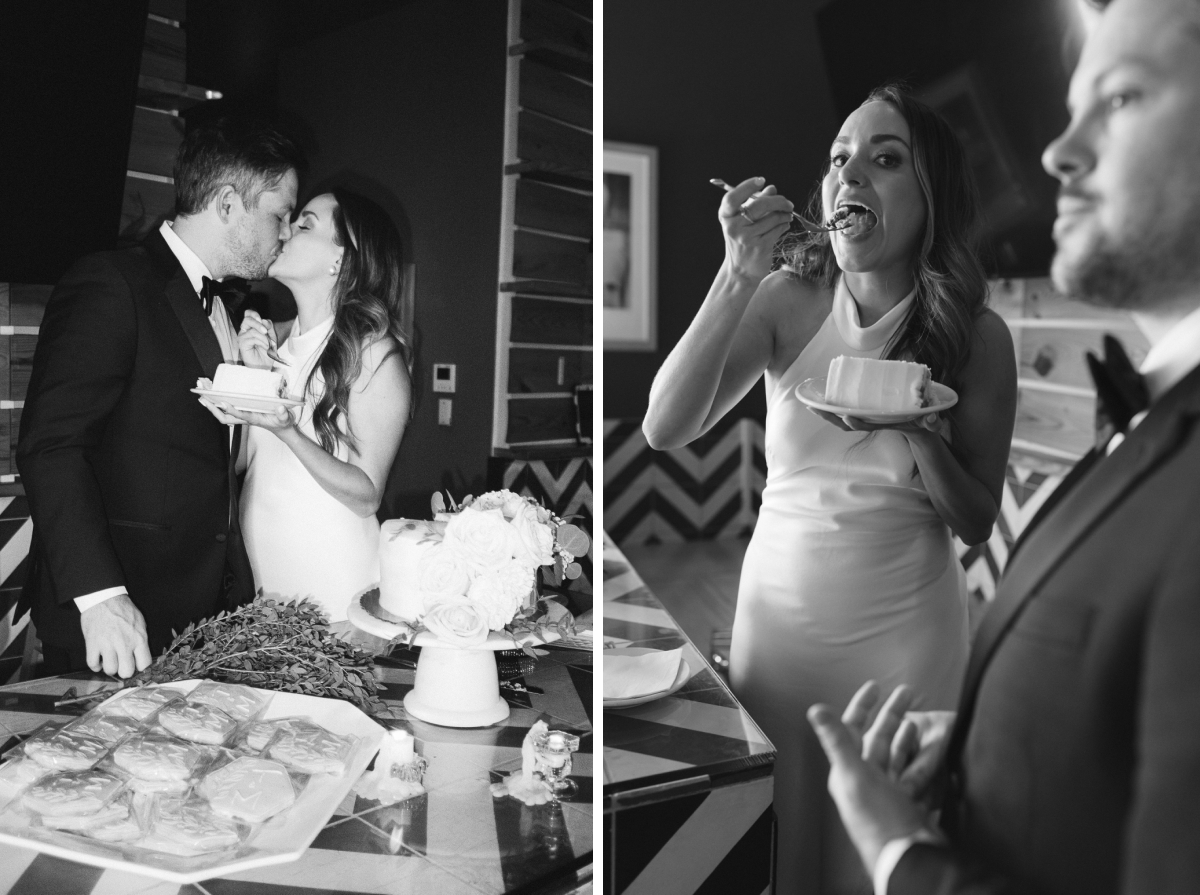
(991, 339)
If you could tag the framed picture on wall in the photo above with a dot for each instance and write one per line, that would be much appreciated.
(630, 247)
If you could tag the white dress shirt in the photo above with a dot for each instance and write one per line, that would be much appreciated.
(222, 327)
(1174, 356)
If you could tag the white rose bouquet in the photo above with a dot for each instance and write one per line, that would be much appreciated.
(482, 574)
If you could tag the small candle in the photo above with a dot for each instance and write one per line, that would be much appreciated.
(556, 754)
(401, 751)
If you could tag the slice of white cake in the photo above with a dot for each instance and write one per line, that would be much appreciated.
(878, 385)
(235, 379)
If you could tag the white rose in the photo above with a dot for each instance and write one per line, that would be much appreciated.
(508, 502)
(487, 593)
(483, 538)
(456, 621)
(518, 581)
(536, 537)
(443, 572)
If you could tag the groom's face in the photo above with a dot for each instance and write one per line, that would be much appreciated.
(258, 232)
(1128, 227)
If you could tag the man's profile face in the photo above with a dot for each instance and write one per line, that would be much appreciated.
(259, 232)
(1128, 227)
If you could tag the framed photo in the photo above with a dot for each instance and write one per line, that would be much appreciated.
(630, 247)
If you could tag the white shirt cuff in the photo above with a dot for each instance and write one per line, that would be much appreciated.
(87, 601)
(893, 851)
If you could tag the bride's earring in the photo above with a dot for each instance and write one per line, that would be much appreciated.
(333, 270)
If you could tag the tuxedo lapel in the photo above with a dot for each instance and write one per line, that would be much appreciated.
(1086, 462)
(186, 305)
(1067, 524)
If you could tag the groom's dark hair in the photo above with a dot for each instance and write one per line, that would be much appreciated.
(247, 154)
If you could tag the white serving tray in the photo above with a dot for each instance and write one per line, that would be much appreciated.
(282, 839)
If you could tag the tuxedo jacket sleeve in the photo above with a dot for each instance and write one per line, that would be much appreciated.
(1078, 764)
(85, 356)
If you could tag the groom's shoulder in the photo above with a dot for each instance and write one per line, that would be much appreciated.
(136, 267)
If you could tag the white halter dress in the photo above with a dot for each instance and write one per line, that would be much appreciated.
(850, 575)
(301, 540)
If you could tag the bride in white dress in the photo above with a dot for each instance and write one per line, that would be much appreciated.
(851, 573)
(315, 476)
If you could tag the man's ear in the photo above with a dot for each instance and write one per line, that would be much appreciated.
(228, 203)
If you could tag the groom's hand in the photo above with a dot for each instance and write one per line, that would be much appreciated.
(115, 634)
(873, 807)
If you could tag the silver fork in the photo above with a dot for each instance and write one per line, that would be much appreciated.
(804, 222)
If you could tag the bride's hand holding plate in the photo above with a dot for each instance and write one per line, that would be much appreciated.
(930, 422)
(278, 421)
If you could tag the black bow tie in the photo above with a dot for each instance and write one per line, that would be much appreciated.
(231, 291)
(1120, 390)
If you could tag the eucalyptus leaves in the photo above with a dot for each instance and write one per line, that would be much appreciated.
(273, 646)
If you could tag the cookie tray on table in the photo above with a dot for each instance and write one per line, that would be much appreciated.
(283, 838)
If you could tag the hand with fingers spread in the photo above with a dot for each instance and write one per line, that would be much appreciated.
(753, 218)
(907, 745)
(873, 806)
(114, 632)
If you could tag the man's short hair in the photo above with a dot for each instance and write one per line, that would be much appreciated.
(251, 156)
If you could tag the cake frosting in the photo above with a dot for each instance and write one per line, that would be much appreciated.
(403, 546)
(238, 380)
(879, 385)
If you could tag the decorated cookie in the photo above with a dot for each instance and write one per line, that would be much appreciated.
(66, 751)
(17, 773)
(149, 787)
(312, 749)
(127, 830)
(71, 792)
(241, 703)
(193, 825)
(109, 814)
(157, 757)
(140, 703)
(261, 732)
(198, 723)
(249, 789)
(109, 728)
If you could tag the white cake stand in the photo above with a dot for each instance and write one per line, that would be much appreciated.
(455, 687)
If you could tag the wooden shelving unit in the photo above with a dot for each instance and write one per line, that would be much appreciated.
(544, 314)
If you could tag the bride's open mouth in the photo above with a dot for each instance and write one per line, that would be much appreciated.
(853, 220)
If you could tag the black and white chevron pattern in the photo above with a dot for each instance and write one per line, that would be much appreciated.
(563, 485)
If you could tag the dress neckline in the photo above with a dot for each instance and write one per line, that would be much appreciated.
(303, 344)
(866, 338)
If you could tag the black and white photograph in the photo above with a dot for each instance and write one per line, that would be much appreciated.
(900, 546)
(296, 564)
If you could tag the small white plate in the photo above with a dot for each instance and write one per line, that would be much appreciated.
(681, 678)
(254, 403)
(812, 393)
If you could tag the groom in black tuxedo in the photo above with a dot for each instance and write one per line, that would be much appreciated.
(1073, 765)
(127, 474)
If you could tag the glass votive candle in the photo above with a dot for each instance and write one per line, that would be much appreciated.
(553, 754)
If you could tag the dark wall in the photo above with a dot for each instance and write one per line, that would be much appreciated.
(411, 104)
(68, 78)
(723, 89)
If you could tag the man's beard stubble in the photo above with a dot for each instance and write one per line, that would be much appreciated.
(1140, 273)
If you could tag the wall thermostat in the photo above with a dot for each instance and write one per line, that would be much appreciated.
(443, 377)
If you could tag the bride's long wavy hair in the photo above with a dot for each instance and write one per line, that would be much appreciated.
(366, 301)
(951, 289)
